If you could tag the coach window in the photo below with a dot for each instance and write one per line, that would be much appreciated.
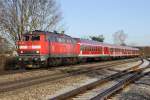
(85, 48)
(93, 48)
(90, 49)
(100, 49)
(113, 49)
(82, 48)
(110, 49)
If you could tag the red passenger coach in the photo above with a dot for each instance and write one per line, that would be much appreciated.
(94, 49)
(90, 48)
(38, 48)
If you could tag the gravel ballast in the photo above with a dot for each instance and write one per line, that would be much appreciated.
(49, 89)
(139, 90)
(54, 70)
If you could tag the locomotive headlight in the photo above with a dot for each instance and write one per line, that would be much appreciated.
(21, 51)
(20, 59)
(37, 51)
(23, 47)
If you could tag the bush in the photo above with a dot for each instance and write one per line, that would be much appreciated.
(7, 62)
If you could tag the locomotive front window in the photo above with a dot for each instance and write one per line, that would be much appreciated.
(35, 38)
(26, 38)
(31, 38)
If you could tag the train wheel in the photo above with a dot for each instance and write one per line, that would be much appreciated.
(75, 60)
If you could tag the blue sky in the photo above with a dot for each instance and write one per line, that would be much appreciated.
(93, 17)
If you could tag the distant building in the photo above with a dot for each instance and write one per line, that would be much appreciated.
(144, 51)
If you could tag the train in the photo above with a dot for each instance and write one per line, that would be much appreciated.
(42, 48)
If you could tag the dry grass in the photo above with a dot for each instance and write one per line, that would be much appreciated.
(7, 62)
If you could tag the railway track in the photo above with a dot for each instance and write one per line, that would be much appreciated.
(12, 85)
(7, 72)
(104, 88)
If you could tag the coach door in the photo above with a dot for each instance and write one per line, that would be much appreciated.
(106, 51)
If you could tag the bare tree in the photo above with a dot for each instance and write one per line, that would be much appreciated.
(19, 16)
(5, 47)
(119, 37)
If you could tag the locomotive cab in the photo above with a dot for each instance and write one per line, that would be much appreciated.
(31, 49)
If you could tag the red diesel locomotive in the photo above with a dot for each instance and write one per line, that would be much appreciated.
(51, 48)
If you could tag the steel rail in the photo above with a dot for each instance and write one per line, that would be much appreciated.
(12, 85)
(9, 72)
(92, 85)
(112, 90)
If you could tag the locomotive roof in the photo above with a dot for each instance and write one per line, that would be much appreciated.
(91, 42)
(55, 33)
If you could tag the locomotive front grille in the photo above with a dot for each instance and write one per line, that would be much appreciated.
(29, 52)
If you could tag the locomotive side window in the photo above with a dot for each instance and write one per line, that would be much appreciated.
(73, 41)
(59, 40)
(68, 41)
(52, 39)
(62, 40)
(31, 37)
